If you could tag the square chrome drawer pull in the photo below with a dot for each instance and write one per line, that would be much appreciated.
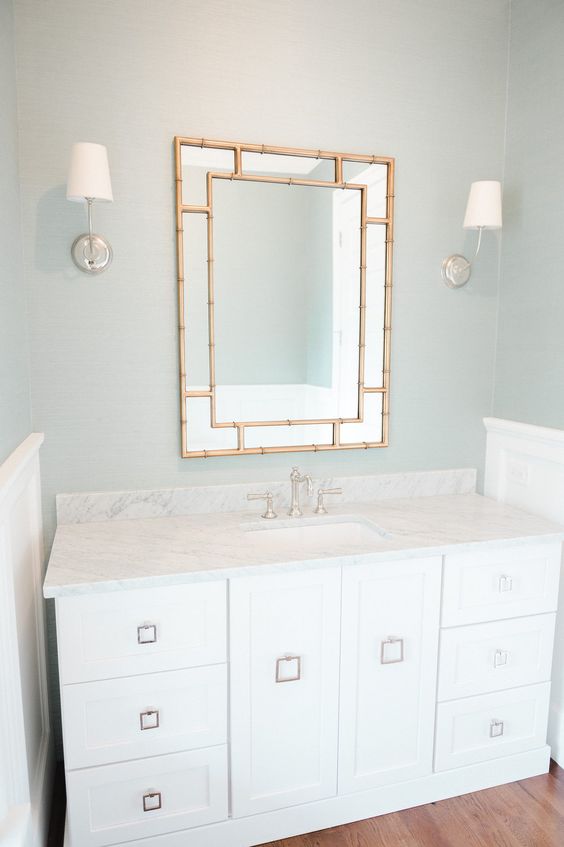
(505, 583)
(147, 633)
(149, 719)
(501, 657)
(284, 669)
(496, 728)
(391, 650)
(152, 801)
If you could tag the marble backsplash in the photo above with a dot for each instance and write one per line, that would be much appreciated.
(170, 502)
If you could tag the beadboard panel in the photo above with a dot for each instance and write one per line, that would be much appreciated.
(25, 738)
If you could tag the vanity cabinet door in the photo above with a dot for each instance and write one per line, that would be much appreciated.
(390, 625)
(284, 689)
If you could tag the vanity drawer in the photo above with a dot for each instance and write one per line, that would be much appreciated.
(492, 656)
(138, 716)
(477, 729)
(138, 631)
(115, 803)
(505, 583)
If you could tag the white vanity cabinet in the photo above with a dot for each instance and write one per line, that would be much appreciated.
(233, 712)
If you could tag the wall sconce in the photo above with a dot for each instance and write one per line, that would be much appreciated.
(89, 180)
(482, 212)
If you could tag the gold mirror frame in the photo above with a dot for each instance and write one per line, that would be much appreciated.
(183, 209)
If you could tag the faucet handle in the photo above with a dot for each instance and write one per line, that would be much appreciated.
(321, 510)
(270, 513)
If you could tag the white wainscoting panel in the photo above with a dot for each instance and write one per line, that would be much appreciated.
(525, 468)
(25, 737)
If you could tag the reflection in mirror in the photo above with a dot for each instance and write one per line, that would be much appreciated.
(284, 284)
(296, 167)
(286, 304)
(375, 304)
(270, 436)
(196, 302)
(201, 435)
(375, 177)
(196, 163)
(368, 430)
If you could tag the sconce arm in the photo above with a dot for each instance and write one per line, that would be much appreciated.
(90, 203)
(479, 244)
(456, 269)
(480, 231)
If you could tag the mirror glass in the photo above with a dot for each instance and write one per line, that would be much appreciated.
(283, 288)
(286, 305)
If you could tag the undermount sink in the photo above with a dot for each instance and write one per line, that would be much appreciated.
(316, 533)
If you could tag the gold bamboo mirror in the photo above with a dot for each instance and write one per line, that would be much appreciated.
(284, 285)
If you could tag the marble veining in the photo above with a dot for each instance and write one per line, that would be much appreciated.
(199, 500)
(120, 554)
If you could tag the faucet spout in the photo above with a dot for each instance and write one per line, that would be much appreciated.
(296, 479)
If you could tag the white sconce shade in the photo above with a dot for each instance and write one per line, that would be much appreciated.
(484, 205)
(89, 173)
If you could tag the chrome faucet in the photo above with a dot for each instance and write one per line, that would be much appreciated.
(296, 478)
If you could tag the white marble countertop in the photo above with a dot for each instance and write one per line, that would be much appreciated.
(120, 554)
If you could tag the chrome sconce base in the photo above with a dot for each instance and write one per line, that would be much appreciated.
(456, 271)
(91, 254)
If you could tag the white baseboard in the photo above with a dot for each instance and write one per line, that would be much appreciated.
(15, 827)
(41, 792)
(346, 808)
(556, 733)
(28, 824)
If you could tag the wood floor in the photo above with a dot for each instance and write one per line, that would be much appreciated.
(523, 814)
